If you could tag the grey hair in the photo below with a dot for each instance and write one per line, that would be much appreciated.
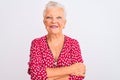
(52, 4)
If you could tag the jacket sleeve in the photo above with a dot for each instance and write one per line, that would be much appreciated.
(76, 58)
(36, 69)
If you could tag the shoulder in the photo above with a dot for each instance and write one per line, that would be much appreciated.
(39, 40)
(71, 40)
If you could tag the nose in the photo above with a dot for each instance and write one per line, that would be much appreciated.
(54, 20)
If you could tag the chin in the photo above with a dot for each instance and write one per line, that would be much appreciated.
(55, 33)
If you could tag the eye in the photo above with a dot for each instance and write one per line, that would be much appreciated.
(48, 17)
(59, 17)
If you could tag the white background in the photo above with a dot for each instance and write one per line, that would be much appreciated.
(94, 23)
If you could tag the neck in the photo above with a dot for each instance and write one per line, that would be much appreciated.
(55, 37)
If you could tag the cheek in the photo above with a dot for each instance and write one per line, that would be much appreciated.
(62, 23)
(46, 23)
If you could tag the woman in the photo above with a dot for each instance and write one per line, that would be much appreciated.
(55, 56)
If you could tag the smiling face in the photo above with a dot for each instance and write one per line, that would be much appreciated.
(54, 20)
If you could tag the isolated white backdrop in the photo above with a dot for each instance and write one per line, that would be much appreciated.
(94, 23)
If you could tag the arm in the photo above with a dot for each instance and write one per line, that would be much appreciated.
(64, 77)
(36, 69)
(77, 60)
(63, 73)
(56, 72)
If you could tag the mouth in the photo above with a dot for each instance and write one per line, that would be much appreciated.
(53, 26)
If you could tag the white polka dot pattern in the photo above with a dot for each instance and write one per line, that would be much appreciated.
(41, 57)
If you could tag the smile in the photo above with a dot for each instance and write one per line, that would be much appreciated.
(53, 27)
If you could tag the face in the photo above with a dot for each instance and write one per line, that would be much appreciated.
(54, 20)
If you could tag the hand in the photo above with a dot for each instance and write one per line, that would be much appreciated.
(78, 69)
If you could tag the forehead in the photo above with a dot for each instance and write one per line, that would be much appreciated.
(54, 11)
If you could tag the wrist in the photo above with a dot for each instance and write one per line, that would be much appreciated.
(70, 69)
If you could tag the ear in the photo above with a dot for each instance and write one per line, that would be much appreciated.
(44, 21)
(64, 23)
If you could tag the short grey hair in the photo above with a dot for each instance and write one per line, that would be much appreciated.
(52, 4)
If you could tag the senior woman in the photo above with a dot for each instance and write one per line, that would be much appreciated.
(55, 56)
